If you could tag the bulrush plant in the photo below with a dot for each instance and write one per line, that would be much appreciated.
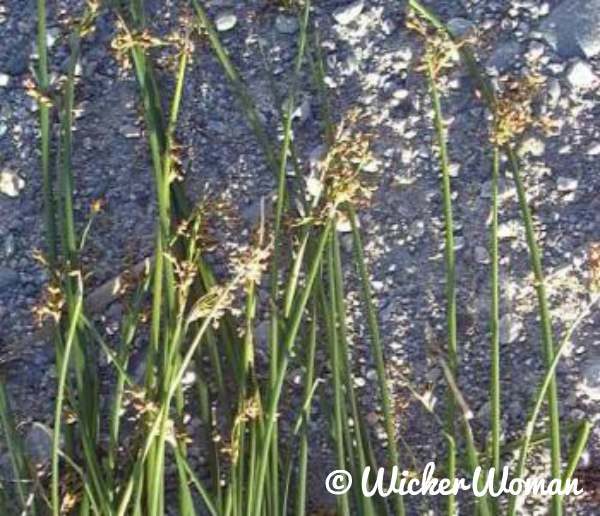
(122, 442)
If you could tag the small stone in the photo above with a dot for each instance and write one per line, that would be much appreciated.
(484, 411)
(314, 186)
(359, 381)
(460, 27)
(348, 13)
(52, 35)
(38, 443)
(10, 183)
(130, 131)
(303, 111)
(286, 24)
(343, 224)
(553, 92)
(481, 255)
(459, 243)
(591, 379)
(535, 51)
(225, 21)
(4, 80)
(8, 277)
(533, 146)
(510, 328)
(566, 184)
(581, 75)
(9, 246)
(372, 418)
(417, 229)
(504, 57)
(593, 149)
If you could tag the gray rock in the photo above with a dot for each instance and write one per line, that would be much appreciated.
(225, 21)
(481, 255)
(38, 444)
(591, 378)
(510, 328)
(130, 131)
(286, 24)
(10, 183)
(461, 27)
(504, 56)
(349, 12)
(581, 75)
(573, 28)
(8, 246)
(8, 277)
(17, 60)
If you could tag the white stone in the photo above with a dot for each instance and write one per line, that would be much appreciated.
(581, 75)
(593, 149)
(566, 184)
(52, 35)
(536, 50)
(225, 21)
(534, 146)
(10, 183)
(348, 13)
(4, 80)
(510, 328)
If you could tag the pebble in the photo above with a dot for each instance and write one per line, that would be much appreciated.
(510, 328)
(553, 92)
(8, 277)
(535, 51)
(225, 21)
(460, 27)
(52, 35)
(8, 246)
(481, 255)
(4, 80)
(566, 184)
(581, 75)
(504, 57)
(38, 443)
(533, 146)
(348, 13)
(593, 149)
(286, 24)
(10, 183)
(130, 131)
(591, 378)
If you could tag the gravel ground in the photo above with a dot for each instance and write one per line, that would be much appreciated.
(372, 64)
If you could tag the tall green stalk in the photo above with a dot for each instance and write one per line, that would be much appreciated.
(495, 389)
(43, 103)
(450, 261)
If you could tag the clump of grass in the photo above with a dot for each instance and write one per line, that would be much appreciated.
(190, 316)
